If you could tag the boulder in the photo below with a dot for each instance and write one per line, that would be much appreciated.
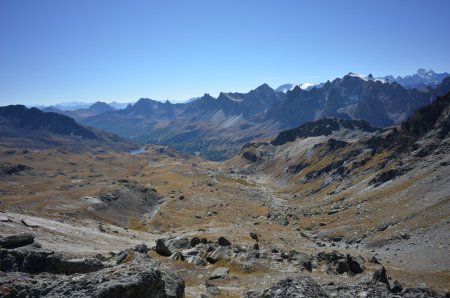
(168, 246)
(191, 252)
(162, 249)
(353, 264)
(196, 260)
(16, 240)
(218, 254)
(196, 240)
(223, 241)
(121, 257)
(380, 276)
(142, 248)
(220, 273)
(301, 259)
(178, 256)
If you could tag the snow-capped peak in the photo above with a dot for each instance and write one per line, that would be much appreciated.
(306, 86)
(357, 75)
(289, 87)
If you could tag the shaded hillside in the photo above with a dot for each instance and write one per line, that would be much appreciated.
(324, 126)
(19, 116)
(32, 128)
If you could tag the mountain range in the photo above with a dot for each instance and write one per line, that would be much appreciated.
(216, 128)
(422, 79)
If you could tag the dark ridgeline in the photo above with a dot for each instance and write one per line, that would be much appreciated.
(19, 116)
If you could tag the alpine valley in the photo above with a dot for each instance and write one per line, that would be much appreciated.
(336, 189)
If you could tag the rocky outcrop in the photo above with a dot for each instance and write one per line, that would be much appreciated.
(340, 263)
(33, 272)
(302, 286)
(16, 240)
(131, 280)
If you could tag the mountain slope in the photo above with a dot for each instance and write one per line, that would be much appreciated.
(365, 187)
(232, 104)
(32, 128)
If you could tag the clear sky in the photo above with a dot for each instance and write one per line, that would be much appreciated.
(86, 50)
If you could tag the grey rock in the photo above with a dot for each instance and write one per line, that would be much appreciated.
(38, 261)
(223, 241)
(218, 254)
(220, 273)
(342, 267)
(353, 264)
(16, 240)
(212, 290)
(251, 255)
(121, 257)
(168, 246)
(161, 248)
(130, 280)
(301, 286)
(196, 240)
(395, 286)
(301, 259)
(178, 256)
(191, 252)
(142, 248)
(196, 260)
(380, 276)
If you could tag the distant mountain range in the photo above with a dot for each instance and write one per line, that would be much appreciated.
(216, 128)
(82, 113)
(421, 80)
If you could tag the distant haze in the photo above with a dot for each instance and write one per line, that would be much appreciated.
(58, 51)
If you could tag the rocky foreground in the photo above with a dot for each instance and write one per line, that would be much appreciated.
(27, 270)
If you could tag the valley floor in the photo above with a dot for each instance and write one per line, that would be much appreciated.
(83, 205)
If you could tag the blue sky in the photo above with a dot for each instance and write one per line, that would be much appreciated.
(86, 50)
